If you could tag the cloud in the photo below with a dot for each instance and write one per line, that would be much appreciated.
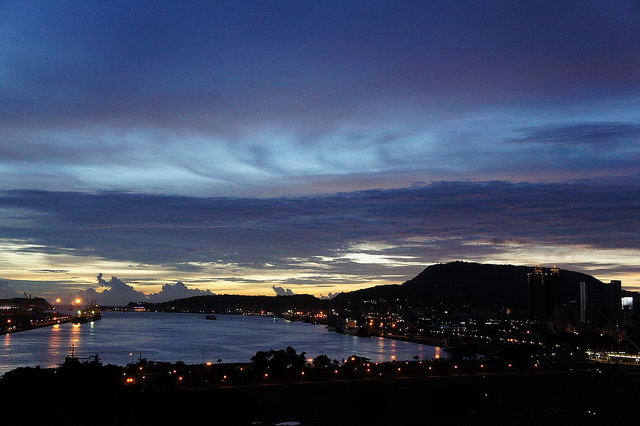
(271, 99)
(602, 135)
(329, 296)
(115, 293)
(176, 291)
(119, 293)
(7, 292)
(282, 291)
(163, 64)
(206, 231)
(332, 241)
(237, 232)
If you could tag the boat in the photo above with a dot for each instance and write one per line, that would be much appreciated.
(210, 317)
(92, 313)
(351, 326)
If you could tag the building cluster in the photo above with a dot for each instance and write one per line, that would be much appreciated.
(559, 309)
(592, 306)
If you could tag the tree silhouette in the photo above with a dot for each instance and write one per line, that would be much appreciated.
(321, 361)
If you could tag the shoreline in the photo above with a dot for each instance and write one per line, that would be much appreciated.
(40, 323)
(429, 341)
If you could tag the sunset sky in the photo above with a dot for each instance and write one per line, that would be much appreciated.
(259, 147)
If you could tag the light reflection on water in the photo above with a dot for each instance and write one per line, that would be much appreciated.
(192, 339)
(439, 353)
(55, 339)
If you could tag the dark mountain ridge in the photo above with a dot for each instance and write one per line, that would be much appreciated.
(475, 285)
(223, 302)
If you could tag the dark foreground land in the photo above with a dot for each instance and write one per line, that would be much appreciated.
(95, 395)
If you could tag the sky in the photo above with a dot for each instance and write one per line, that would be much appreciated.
(151, 150)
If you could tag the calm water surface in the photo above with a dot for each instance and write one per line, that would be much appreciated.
(192, 339)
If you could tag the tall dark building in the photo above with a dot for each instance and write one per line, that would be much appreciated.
(601, 304)
(544, 294)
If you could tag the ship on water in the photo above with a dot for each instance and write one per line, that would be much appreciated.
(90, 314)
(20, 314)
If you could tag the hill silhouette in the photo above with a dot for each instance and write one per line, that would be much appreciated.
(464, 283)
(223, 302)
(457, 283)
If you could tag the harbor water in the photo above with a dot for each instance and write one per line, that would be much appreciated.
(123, 337)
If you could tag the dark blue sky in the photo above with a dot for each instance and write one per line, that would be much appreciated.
(318, 146)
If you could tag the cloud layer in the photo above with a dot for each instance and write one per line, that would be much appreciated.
(279, 98)
(332, 241)
(261, 146)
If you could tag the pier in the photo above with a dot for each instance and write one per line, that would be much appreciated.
(12, 323)
(27, 313)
